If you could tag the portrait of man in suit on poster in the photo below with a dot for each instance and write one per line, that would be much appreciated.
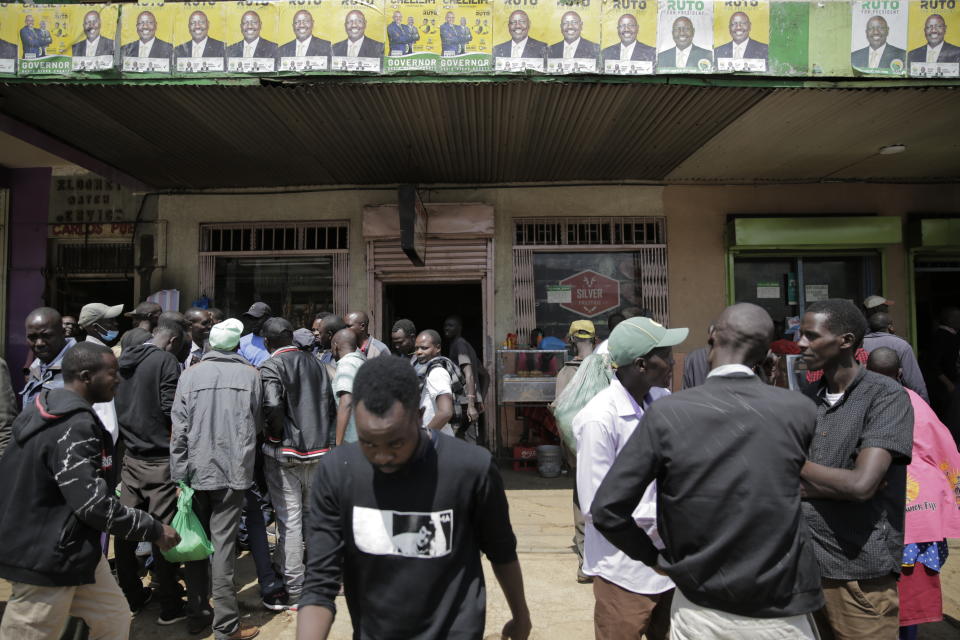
(684, 54)
(304, 43)
(94, 44)
(878, 54)
(357, 44)
(573, 45)
(520, 45)
(200, 44)
(148, 45)
(741, 45)
(629, 48)
(937, 48)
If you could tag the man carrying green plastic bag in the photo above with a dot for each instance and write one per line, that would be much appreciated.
(194, 544)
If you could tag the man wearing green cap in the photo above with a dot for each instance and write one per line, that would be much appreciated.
(631, 598)
(216, 417)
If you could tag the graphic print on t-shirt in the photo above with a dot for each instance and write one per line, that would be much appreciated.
(412, 534)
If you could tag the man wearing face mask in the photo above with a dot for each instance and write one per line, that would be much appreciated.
(99, 321)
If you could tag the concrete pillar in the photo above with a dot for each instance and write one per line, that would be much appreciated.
(27, 243)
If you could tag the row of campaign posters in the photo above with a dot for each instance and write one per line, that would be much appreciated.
(625, 37)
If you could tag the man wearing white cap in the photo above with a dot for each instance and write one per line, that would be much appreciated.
(216, 417)
(100, 323)
(876, 304)
(631, 598)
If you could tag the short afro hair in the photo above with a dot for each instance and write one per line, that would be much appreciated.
(382, 382)
(842, 317)
(405, 325)
(85, 356)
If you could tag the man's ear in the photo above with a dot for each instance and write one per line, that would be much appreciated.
(85, 376)
(846, 341)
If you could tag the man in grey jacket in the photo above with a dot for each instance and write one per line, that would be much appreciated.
(216, 418)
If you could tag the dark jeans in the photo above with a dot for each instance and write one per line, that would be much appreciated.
(146, 485)
(270, 581)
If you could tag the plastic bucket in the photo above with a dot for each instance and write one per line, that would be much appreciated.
(549, 459)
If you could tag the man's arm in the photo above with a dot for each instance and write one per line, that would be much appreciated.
(912, 377)
(470, 386)
(343, 415)
(179, 426)
(511, 581)
(858, 484)
(273, 404)
(8, 406)
(324, 538)
(621, 491)
(169, 376)
(444, 412)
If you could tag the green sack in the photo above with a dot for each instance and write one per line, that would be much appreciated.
(194, 544)
(593, 376)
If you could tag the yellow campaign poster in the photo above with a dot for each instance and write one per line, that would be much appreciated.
(465, 36)
(629, 37)
(359, 45)
(574, 38)
(146, 36)
(10, 22)
(95, 50)
(46, 35)
(741, 35)
(930, 54)
(199, 38)
(306, 31)
(413, 35)
(521, 29)
(252, 30)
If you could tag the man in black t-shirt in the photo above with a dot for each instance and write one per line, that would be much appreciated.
(403, 515)
(475, 377)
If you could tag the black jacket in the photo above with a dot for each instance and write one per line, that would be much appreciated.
(58, 496)
(298, 407)
(148, 383)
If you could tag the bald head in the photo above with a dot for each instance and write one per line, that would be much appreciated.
(45, 335)
(343, 342)
(880, 322)
(884, 361)
(358, 322)
(740, 335)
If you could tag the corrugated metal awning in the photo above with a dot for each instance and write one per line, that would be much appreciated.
(334, 132)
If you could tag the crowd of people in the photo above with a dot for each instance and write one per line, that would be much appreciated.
(734, 508)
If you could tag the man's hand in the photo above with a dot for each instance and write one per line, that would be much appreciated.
(472, 413)
(169, 539)
(517, 629)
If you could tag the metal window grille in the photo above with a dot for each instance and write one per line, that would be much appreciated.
(278, 239)
(94, 257)
(268, 237)
(644, 237)
(604, 231)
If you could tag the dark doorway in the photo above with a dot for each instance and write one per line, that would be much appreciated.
(937, 280)
(72, 293)
(428, 305)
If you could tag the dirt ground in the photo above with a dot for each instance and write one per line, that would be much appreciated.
(561, 608)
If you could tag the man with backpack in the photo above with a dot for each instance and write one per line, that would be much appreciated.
(441, 382)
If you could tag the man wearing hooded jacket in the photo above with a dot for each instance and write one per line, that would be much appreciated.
(59, 469)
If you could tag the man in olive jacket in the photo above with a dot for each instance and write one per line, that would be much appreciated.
(216, 418)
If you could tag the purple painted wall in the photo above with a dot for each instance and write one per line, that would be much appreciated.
(27, 255)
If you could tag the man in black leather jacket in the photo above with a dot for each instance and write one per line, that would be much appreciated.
(299, 418)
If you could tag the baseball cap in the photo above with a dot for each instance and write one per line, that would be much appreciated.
(258, 310)
(303, 338)
(636, 337)
(97, 311)
(225, 336)
(875, 301)
(144, 310)
(582, 329)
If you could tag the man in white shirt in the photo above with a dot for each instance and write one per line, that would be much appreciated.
(304, 42)
(200, 44)
(879, 53)
(200, 324)
(252, 45)
(357, 45)
(436, 397)
(628, 48)
(148, 46)
(613, 320)
(685, 55)
(631, 598)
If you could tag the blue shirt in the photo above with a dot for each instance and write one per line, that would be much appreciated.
(253, 349)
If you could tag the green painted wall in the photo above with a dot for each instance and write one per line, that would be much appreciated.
(789, 45)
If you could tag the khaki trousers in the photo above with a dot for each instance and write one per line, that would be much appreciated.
(691, 621)
(41, 613)
(860, 609)
(624, 615)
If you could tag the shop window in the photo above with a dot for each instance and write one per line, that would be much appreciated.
(568, 269)
(94, 257)
(786, 285)
(299, 269)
